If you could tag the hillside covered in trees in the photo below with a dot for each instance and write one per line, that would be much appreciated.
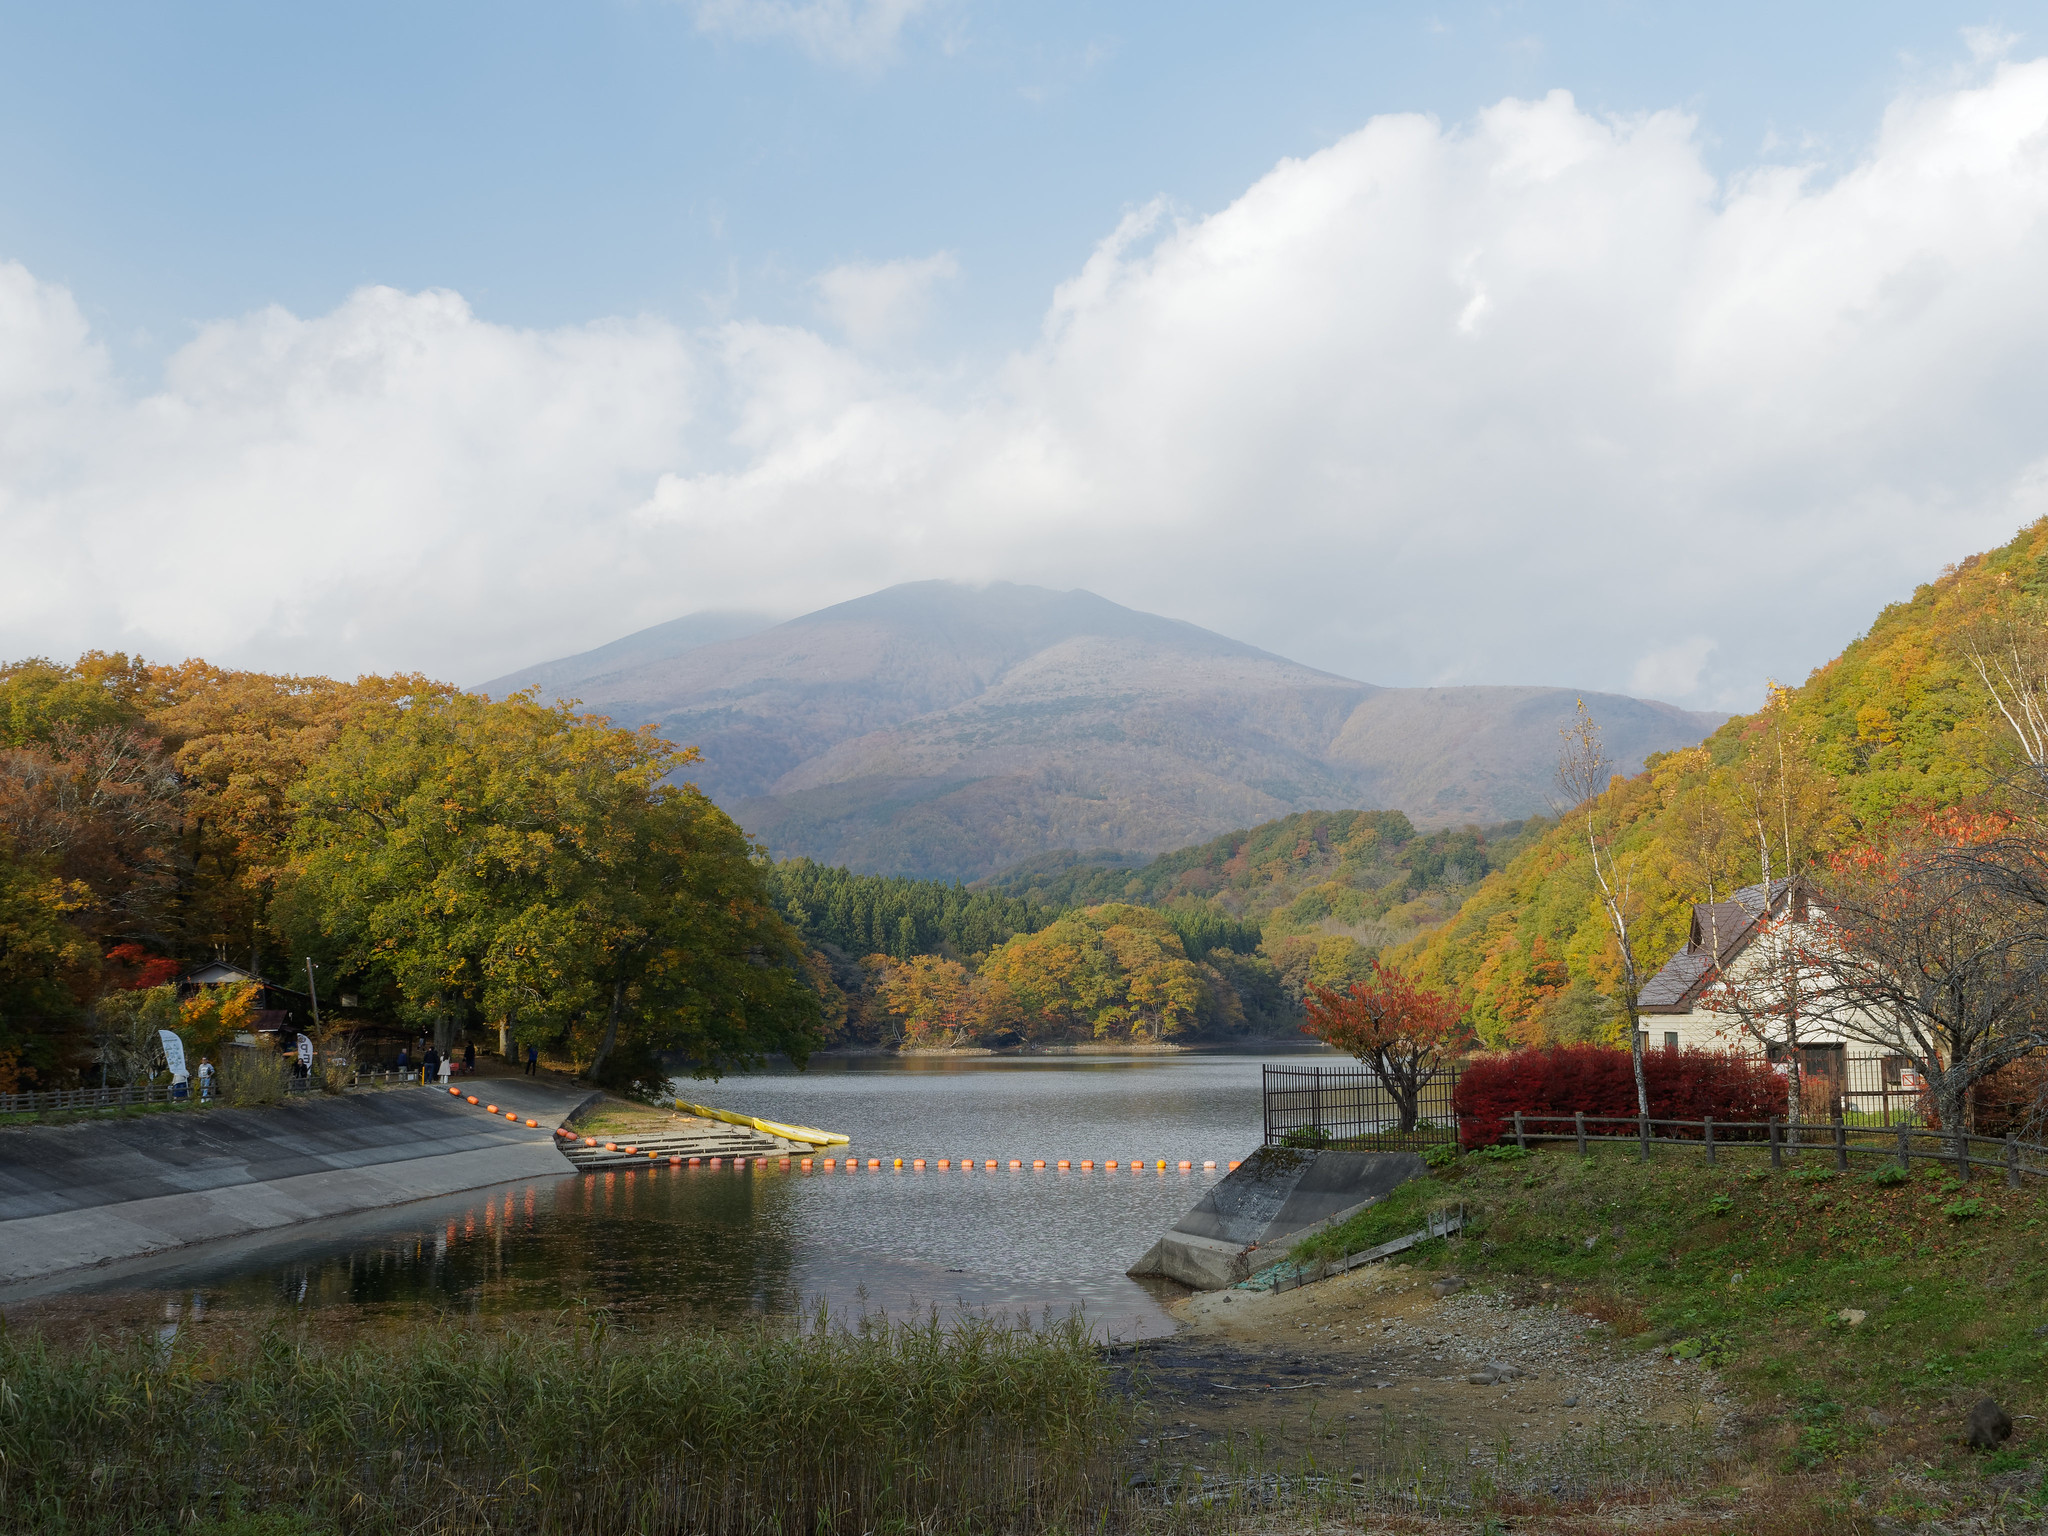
(1243, 925)
(446, 861)
(1898, 725)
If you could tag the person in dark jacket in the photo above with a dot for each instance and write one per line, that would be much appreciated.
(433, 1063)
(532, 1059)
(469, 1056)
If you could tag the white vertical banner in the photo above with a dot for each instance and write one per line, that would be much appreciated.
(305, 1053)
(174, 1055)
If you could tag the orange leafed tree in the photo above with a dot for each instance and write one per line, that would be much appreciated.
(1406, 1032)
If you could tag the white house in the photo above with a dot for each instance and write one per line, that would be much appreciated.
(1834, 1069)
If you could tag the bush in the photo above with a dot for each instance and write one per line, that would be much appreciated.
(252, 1075)
(1600, 1081)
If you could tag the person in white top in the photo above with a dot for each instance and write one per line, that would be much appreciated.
(447, 1066)
(205, 1078)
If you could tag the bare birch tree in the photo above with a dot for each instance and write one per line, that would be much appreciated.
(1584, 774)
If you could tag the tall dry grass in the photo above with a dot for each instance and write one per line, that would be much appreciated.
(967, 1426)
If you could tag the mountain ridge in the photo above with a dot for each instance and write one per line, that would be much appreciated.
(938, 729)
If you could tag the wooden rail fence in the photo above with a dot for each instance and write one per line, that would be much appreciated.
(1790, 1138)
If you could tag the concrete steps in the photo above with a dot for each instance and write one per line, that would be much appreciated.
(725, 1141)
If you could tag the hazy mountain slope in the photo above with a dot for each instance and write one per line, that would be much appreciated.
(573, 675)
(938, 729)
(1462, 754)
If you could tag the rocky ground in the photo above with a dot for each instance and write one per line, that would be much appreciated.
(1479, 1369)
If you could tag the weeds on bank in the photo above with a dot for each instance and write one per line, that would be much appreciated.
(1762, 1272)
(966, 1426)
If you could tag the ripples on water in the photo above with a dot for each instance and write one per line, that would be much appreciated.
(717, 1243)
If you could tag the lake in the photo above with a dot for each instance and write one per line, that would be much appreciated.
(717, 1244)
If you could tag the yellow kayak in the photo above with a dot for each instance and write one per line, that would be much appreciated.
(803, 1133)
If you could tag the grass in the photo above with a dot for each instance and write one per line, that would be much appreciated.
(1750, 1269)
(570, 1428)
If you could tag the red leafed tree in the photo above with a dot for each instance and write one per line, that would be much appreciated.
(1406, 1032)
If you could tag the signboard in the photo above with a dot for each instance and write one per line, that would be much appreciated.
(174, 1055)
(305, 1053)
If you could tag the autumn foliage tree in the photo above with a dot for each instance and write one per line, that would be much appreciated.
(1407, 1033)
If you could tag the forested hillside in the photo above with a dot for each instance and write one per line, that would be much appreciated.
(1366, 873)
(447, 861)
(1228, 934)
(1899, 723)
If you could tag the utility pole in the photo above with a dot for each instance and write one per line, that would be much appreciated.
(313, 992)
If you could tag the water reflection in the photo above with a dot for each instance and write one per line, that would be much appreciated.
(719, 1243)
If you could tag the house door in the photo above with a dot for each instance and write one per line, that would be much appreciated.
(1823, 1077)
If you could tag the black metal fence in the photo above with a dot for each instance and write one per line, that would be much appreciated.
(1355, 1107)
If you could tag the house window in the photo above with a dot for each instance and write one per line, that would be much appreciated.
(1670, 1039)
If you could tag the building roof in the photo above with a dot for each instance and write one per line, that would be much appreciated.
(218, 972)
(1729, 924)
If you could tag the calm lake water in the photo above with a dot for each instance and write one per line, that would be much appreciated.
(717, 1243)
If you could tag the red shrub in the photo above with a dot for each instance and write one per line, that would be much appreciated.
(1599, 1080)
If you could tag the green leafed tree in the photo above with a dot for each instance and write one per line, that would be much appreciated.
(517, 861)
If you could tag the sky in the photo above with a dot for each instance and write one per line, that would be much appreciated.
(1610, 345)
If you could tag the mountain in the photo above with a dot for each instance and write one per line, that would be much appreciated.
(939, 729)
(1897, 724)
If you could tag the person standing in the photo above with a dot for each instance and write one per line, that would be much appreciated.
(532, 1058)
(447, 1068)
(433, 1063)
(205, 1079)
(469, 1056)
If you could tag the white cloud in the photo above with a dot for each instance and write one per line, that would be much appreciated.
(881, 303)
(1530, 399)
(849, 32)
(1672, 671)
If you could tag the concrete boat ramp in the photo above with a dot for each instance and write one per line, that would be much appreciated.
(105, 1189)
(1269, 1202)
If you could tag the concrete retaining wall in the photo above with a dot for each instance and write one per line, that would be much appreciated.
(104, 1189)
(1275, 1196)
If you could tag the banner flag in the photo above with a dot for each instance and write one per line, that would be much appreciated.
(174, 1055)
(305, 1052)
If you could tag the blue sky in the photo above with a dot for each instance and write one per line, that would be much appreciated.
(558, 162)
(1419, 342)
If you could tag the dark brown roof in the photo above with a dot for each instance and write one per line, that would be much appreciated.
(1728, 924)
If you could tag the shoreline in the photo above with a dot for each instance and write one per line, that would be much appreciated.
(1281, 1045)
(81, 1196)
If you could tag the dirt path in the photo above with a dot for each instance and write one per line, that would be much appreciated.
(1324, 1368)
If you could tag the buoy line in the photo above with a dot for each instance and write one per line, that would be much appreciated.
(872, 1164)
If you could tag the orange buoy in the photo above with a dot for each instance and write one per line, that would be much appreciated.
(917, 1163)
(590, 1141)
(611, 1146)
(807, 1165)
(472, 1098)
(1210, 1164)
(675, 1159)
(654, 1154)
(899, 1162)
(454, 1092)
(945, 1162)
(874, 1162)
(510, 1115)
(632, 1151)
(1111, 1164)
(1065, 1163)
(489, 1109)
(829, 1163)
(714, 1162)
(1185, 1165)
(695, 1161)
(1162, 1163)
(1038, 1162)
(1015, 1164)
(1233, 1165)
(1089, 1164)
